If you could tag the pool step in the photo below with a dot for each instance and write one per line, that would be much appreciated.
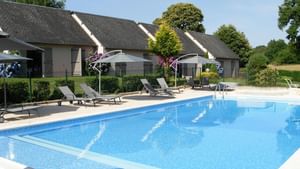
(80, 153)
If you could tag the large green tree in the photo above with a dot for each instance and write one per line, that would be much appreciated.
(165, 45)
(273, 48)
(49, 3)
(184, 16)
(289, 18)
(236, 41)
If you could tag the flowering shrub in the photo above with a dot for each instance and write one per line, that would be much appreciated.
(267, 77)
(9, 70)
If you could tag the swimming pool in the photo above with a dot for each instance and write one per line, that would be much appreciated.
(202, 133)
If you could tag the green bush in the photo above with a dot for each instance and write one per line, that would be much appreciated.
(180, 82)
(108, 84)
(255, 64)
(133, 83)
(16, 92)
(41, 90)
(267, 77)
(210, 75)
(56, 92)
(286, 56)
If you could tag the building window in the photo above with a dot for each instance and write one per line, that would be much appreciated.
(148, 66)
(75, 61)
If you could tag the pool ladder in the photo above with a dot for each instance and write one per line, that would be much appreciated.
(221, 89)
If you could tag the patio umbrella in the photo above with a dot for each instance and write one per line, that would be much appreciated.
(198, 60)
(6, 58)
(119, 58)
(3, 34)
(9, 43)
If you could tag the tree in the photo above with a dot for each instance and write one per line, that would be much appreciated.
(236, 41)
(289, 13)
(184, 16)
(49, 3)
(256, 64)
(259, 49)
(273, 48)
(286, 56)
(165, 45)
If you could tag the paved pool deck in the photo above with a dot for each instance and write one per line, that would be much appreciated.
(52, 112)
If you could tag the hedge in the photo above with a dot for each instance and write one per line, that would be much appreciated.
(47, 88)
(133, 83)
(109, 84)
(16, 91)
(41, 90)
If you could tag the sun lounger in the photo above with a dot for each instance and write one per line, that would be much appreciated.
(291, 84)
(204, 84)
(226, 86)
(70, 96)
(163, 84)
(154, 92)
(191, 82)
(91, 93)
(18, 109)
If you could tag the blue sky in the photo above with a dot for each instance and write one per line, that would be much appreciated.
(256, 18)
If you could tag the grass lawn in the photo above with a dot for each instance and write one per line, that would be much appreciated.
(292, 67)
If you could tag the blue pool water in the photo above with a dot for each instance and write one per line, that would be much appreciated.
(201, 133)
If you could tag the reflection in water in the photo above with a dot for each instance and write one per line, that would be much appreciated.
(155, 127)
(290, 135)
(183, 126)
(11, 150)
(93, 140)
(200, 115)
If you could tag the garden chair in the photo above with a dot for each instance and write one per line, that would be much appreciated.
(70, 96)
(91, 93)
(164, 86)
(154, 92)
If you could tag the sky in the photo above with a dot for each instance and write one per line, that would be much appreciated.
(256, 18)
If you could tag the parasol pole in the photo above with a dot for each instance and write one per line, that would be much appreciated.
(176, 62)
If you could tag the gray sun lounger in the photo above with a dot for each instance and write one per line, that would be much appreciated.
(70, 96)
(154, 92)
(19, 109)
(163, 84)
(91, 93)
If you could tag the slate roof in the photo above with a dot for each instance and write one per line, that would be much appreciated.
(214, 45)
(115, 33)
(44, 25)
(188, 45)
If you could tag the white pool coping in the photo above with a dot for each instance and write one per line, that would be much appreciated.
(293, 162)
(279, 94)
(8, 164)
